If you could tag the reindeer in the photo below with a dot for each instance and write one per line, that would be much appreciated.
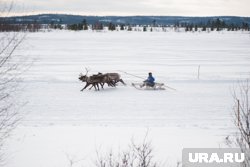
(92, 80)
(109, 78)
(115, 78)
(105, 78)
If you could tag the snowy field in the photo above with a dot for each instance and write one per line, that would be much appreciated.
(61, 122)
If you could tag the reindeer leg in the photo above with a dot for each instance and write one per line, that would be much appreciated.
(97, 85)
(91, 87)
(110, 84)
(114, 83)
(94, 86)
(122, 81)
(102, 84)
(87, 84)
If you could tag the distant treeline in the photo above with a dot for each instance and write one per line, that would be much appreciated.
(20, 27)
(7, 26)
(217, 25)
(211, 25)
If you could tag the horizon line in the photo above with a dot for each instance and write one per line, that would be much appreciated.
(109, 15)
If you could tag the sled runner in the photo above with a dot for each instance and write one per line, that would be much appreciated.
(157, 86)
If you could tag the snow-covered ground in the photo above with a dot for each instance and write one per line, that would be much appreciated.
(60, 121)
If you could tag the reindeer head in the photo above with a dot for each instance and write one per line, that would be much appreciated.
(84, 78)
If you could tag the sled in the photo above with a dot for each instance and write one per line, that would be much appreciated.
(157, 86)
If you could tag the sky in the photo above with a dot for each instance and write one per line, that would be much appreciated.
(135, 7)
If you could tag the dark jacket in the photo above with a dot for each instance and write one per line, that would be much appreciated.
(150, 79)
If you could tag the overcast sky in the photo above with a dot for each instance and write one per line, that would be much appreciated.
(137, 7)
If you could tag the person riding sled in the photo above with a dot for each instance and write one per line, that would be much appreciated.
(150, 81)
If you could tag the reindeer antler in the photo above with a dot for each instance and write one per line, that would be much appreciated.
(87, 70)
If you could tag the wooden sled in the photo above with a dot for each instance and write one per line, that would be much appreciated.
(157, 86)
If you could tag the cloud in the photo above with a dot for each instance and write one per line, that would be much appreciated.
(139, 7)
